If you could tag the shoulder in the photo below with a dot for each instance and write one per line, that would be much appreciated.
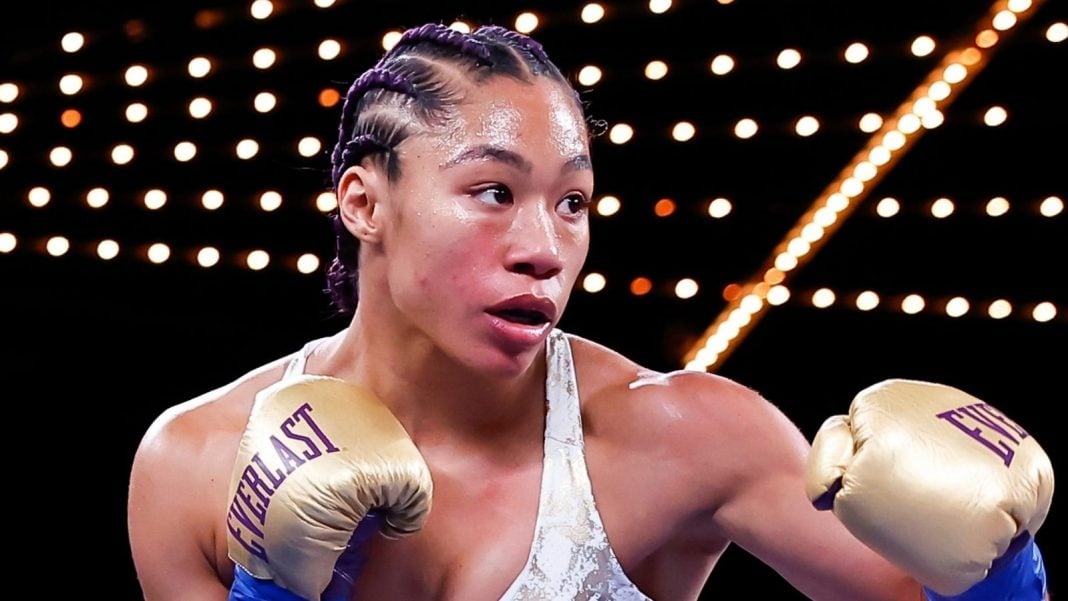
(717, 429)
(204, 430)
(616, 383)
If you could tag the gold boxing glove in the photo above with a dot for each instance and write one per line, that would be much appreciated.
(319, 453)
(933, 479)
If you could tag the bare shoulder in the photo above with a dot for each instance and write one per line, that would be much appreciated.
(178, 487)
(221, 412)
(716, 428)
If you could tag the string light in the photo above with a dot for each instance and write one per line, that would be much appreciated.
(309, 146)
(264, 58)
(246, 149)
(185, 151)
(592, 13)
(593, 282)
(264, 102)
(71, 84)
(621, 133)
(746, 128)
(719, 208)
(326, 202)
(212, 199)
(955, 307)
(390, 39)
(722, 64)
(659, 7)
(856, 53)
(608, 206)
(261, 9)
(788, 58)
(97, 198)
(329, 49)
(136, 112)
(8, 242)
(200, 107)
(640, 286)
(159, 253)
(589, 75)
(922, 46)
(656, 70)
(683, 131)
(9, 92)
(72, 42)
(199, 67)
(526, 22)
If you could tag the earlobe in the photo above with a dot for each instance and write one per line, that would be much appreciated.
(358, 195)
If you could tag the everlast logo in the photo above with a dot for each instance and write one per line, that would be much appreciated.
(298, 440)
(989, 427)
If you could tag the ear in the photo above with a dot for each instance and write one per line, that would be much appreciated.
(359, 192)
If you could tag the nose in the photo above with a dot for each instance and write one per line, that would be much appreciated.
(534, 248)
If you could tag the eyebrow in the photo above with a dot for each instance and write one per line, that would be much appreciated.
(496, 153)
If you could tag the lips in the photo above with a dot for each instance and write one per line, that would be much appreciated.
(525, 309)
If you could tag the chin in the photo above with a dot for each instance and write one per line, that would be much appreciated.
(499, 364)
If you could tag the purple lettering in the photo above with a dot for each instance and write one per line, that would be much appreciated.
(289, 459)
(313, 450)
(276, 477)
(251, 546)
(258, 509)
(998, 447)
(302, 414)
(1001, 417)
(975, 412)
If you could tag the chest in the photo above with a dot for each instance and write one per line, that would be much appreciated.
(484, 527)
(480, 531)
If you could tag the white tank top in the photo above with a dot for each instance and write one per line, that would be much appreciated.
(570, 557)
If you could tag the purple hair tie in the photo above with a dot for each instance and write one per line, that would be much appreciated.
(440, 34)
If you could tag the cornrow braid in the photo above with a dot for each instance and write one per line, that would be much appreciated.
(445, 36)
(516, 40)
(346, 151)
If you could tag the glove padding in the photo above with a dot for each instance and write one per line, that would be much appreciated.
(318, 454)
(933, 479)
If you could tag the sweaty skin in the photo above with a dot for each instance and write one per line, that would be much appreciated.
(681, 465)
(500, 124)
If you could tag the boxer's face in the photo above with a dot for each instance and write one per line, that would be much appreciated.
(488, 223)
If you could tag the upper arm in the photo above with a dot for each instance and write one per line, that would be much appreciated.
(170, 515)
(754, 474)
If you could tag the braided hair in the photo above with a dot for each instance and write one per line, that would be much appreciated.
(409, 88)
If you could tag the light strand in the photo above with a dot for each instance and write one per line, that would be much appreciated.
(838, 201)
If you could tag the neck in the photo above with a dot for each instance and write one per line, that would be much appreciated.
(437, 399)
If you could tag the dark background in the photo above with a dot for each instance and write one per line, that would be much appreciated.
(94, 350)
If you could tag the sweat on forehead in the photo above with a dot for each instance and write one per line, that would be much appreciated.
(418, 81)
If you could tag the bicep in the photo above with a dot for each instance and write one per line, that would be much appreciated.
(170, 537)
(766, 512)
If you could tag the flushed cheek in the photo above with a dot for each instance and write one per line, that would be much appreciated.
(461, 264)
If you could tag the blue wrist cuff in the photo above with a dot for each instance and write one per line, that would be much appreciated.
(1023, 578)
(247, 587)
